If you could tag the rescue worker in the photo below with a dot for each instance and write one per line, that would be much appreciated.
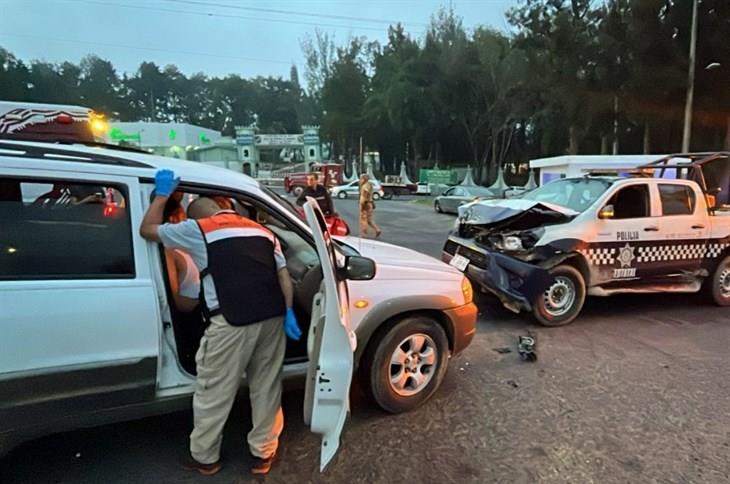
(318, 192)
(247, 297)
(367, 206)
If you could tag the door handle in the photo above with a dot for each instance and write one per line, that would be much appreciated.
(698, 226)
(651, 229)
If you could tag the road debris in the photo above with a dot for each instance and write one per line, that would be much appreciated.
(526, 347)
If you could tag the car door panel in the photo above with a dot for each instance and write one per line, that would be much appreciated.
(72, 344)
(331, 344)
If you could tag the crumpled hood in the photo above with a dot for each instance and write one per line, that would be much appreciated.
(394, 262)
(491, 212)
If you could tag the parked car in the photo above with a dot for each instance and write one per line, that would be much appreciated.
(90, 332)
(423, 188)
(600, 235)
(454, 197)
(352, 189)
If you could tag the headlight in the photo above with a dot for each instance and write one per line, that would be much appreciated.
(467, 290)
(512, 243)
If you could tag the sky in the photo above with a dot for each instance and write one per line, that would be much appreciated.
(216, 37)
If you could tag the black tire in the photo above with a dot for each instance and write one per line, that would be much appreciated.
(297, 191)
(437, 207)
(376, 369)
(342, 194)
(376, 196)
(567, 278)
(719, 283)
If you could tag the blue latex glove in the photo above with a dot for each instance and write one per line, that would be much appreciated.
(291, 328)
(165, 183)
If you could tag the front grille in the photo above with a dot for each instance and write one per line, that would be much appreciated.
(450, 247)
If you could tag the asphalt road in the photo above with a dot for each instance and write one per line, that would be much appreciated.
(636, 390)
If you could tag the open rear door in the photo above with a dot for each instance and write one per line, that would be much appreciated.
(331, 344)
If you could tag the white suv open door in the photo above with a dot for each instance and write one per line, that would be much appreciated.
(330, 347)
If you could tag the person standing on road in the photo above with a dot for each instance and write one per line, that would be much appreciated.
(247, 298)
(367, 206)
(318, 192)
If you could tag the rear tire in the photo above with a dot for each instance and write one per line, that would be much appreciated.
(342, 194)
(405, 364)
(720, 283)
(562, 301)
(376, 196)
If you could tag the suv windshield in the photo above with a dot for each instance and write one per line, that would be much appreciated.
(574, 193)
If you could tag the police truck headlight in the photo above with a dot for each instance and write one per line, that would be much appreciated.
(512, 243)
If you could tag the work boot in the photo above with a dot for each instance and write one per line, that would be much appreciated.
(262, 466)
(204, 469)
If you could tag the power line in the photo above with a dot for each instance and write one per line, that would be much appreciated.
(222, 15)
(153, 49)
(294, 12)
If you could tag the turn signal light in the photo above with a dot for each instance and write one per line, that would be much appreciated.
(361, 304)
(467, 290)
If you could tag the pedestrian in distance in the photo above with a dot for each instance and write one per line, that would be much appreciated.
(318, 192)
(367, 207)
(247, 297)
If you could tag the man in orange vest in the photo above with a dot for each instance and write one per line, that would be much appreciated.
(247, 298)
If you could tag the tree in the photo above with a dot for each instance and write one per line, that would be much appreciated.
(99, 85)
(14, 77)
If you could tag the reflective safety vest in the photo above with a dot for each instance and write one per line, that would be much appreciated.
(242, 264)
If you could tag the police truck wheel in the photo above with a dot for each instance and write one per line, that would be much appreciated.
(404, 364)
(297, 191)
(563, 299)
(342, 195)
(721, 283)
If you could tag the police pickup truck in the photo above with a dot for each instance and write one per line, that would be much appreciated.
(663, 228)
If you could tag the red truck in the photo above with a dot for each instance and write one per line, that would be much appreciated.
(330, 175)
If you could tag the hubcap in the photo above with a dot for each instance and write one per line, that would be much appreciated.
(412, 364)
(559, 297)
(724, 281)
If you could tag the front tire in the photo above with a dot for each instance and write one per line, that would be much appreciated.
(437, 207)
(376, 196)
(562, 301)
(297, 191)
(404, 364)
(342, 194)
(720, 283)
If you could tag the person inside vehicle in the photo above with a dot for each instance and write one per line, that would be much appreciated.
(318, 192)
(183, 275)
(247, 298)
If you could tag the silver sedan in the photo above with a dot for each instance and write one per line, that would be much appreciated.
(454, 197)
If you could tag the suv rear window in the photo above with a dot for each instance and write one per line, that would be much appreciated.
(59, 229)
(677, 199)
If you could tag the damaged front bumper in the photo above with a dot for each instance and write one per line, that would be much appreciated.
(517, 284)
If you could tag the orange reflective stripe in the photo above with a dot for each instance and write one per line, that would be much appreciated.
(227, 221)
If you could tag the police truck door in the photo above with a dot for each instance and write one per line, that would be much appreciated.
(331, 343)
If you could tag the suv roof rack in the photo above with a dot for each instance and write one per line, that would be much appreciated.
(21, 150)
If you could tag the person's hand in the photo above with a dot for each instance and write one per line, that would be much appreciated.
(291, 328)
(165, 183)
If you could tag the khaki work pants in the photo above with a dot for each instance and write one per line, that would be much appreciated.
(227, 352)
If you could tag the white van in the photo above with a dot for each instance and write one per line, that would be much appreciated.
(89, 332)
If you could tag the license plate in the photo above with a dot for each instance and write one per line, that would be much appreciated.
(460, 262)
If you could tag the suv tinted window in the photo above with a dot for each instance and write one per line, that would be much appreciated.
(56, 229)
(631, 202)
(677, 199)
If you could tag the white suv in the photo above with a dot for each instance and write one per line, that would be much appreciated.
(89, 334)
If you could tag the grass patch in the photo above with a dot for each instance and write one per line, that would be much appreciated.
(423, 201)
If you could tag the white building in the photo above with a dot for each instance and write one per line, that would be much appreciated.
(578, 165)
(175, 140)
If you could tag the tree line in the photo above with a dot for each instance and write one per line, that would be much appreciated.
(571, 77)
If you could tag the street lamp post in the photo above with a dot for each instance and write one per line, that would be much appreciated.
(687, 131)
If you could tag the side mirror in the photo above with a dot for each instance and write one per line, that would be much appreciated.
(358, 268)
(606, 212)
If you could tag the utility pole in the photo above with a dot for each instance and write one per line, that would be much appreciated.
(687, 131)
